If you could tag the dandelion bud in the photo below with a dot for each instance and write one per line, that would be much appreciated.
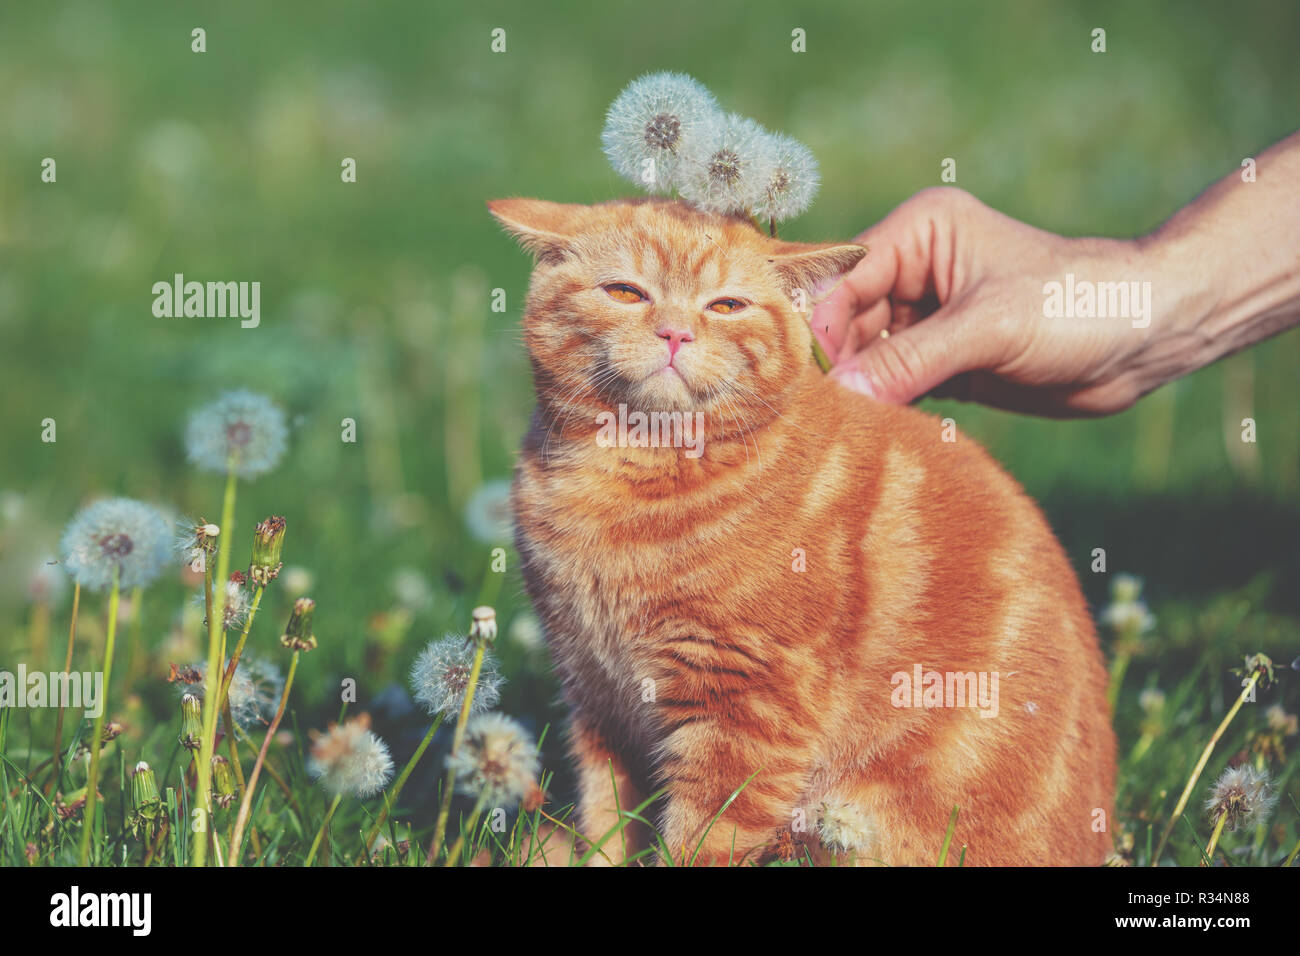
(191, 723)
(223, 782)
(112, 730)
(144, 793)
(484, 626)
(297, 633)
(268, 542)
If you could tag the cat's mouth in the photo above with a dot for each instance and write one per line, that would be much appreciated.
(668, 387)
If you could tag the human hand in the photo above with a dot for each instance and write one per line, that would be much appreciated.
(959, 290)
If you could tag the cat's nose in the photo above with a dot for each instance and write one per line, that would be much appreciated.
(674, 338)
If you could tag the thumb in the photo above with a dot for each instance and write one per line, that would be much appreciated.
(911, 362)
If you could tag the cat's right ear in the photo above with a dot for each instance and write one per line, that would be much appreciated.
(544, 229)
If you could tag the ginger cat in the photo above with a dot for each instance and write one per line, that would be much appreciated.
(783, 579)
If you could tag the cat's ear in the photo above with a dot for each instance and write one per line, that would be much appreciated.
(544, 229)
(816, 268)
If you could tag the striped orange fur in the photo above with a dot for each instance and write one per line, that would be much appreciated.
(743, 611)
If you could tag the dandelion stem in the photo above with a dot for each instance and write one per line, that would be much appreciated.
(229, 677)
(820, 356)
(323, 826)
(215, 600)
(395, 791)
(440, 826)
(1246, 691)
(92, 779)
(247, 802)
(1118, 668)
(1214, 837)
(1295, 851)
(57, 779)
(133, 646)
(454, 852)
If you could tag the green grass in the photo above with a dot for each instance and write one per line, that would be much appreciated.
(375, 307)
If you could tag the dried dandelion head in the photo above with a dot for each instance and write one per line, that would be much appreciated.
(651, 122)
(1243, 794)
(349, 760)
(239, 601)
(440, 678)
(844, 827)
(1152, 701)
(489, 513)
(241, 430)
(268, 544)
(793, 181)
(254, 690)
(497, 761)
(196, 542)
(728, 169)
(1280, 722)
(116, 537)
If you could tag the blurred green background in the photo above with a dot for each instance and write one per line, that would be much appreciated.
(375, 295)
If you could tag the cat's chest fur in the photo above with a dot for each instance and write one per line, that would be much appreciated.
(628, 583)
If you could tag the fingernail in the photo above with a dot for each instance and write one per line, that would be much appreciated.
(852, 377)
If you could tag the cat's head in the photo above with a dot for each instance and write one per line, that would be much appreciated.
(657, 305)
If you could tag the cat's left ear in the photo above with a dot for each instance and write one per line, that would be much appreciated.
(543, 228)
(815, 268)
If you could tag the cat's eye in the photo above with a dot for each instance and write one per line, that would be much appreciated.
(623, 292)
(727, 306)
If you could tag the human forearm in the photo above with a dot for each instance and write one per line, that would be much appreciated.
(1232, 259)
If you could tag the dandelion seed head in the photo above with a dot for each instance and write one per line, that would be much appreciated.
(440, 677)
(651, 122)
(411, 589)
(489, 513)
(1244, 794)
(526, 631)
(844, 827)
(793, 181)
(254, 690)
(240, 427)
(1131, 616)
(727, 170)
(1280, 722)
(1125, 588)
(349, 760)
(497, 760)
(1151, 700)
(46, 584)
(297, 580)
(118, 535)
